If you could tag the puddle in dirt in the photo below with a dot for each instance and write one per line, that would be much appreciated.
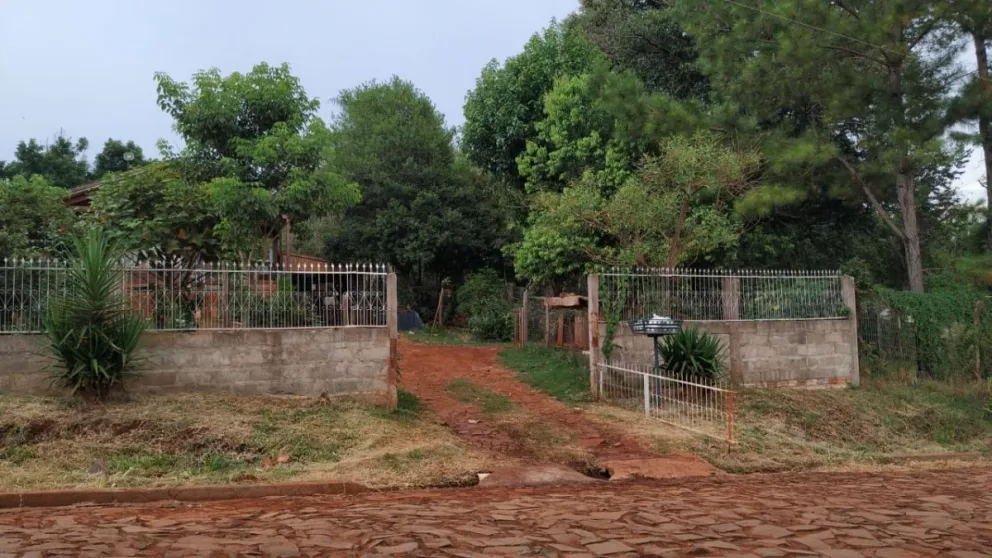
(533, 475)
(667, 467)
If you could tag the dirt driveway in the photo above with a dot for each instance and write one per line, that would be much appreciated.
(428, 371)
(933, 513)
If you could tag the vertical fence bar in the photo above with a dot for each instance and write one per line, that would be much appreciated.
(730, 419)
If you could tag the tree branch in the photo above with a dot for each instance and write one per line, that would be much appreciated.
(857, 53)
(930, 26)
(840, 4)
(871, 198)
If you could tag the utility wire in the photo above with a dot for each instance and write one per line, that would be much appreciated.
(809, 26)
(829, 32)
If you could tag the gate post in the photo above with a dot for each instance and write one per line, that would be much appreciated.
(849, 293)
(593, 311)
(525, 318)
(392, 317)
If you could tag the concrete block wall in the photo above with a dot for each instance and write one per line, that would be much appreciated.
(798, 353)
(353, 361)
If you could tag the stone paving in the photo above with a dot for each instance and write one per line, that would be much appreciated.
(933, 513)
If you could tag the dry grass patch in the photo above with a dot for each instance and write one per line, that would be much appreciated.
(170, 440)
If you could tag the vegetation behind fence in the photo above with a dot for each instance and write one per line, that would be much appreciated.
(701, 295)
(945, 333)
(218, 296)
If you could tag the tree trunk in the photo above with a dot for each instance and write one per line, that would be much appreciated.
(906, 189)
(985, 125)
(905, 185)
(276, 250)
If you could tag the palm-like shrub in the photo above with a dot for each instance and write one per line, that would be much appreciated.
(694, 353)
(92, 333)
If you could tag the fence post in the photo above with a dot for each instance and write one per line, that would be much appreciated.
(392, 317)
(346, 308)
(647, 395)
(525, 318)
(547, 324)
(731, 294)
(849, 294)
(593, 290)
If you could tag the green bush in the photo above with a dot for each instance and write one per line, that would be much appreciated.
(91, 331)
(694, 353)
(494, 325)
(483, 297)
(481, 292)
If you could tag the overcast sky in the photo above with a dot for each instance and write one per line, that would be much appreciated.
(85, 67)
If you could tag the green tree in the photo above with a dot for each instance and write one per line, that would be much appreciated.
(117, 156)
(424, 209)
(156, 213)
(677, 210)
(974, 17)
(62, 163)
(508, 99)
(856, 87)
(33, 217)
(578, 136)
(643, 36)
(257, 139)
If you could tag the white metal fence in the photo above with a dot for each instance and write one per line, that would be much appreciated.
(683, 401)
(217, 296)
(700, 295)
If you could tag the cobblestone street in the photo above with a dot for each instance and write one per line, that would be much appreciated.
(934, 513)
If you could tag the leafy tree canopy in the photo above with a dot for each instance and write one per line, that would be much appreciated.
(62, 162)
(423, 206)
(33, 217)
(672, 212)
(257, 139)
(644, 37)
(117, 156)
(155, 212)
(508, 99)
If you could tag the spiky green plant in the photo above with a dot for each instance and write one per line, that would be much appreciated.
(695, 353)
(92, 333)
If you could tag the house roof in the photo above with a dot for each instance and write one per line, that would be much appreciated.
(79, 196)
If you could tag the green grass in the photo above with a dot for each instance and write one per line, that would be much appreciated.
(559, 373)
(408, 407)
(791, 429)
(489, 401)
(447, 336)
(880, 416)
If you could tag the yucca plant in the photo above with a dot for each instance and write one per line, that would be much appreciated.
(92, 333)
(695, 353)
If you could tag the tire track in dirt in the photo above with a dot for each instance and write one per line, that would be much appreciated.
(426, 371)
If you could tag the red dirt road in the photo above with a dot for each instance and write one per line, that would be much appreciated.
(932, 513)
(426, 370)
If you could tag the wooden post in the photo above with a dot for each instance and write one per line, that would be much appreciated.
(561, 329)
(547, 325)
(593, 292)
(525, 318)
(392, 323)
(580, 336)
(978, 345)
(849, 294)
(346, 309)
